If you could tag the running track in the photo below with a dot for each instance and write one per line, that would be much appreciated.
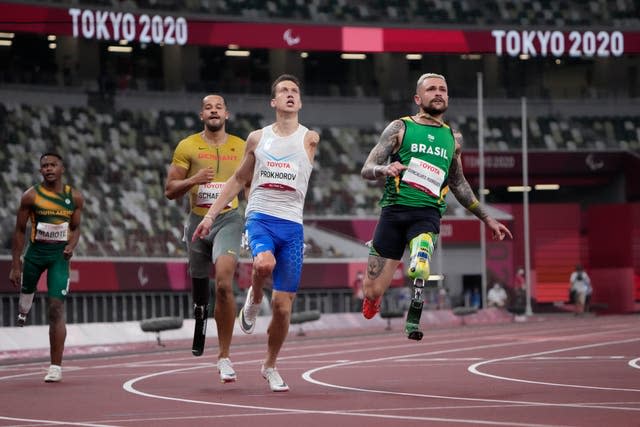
(554, 372)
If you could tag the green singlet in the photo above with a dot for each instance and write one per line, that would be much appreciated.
(427, 151)
(50, 218)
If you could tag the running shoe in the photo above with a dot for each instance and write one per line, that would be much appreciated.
(54, 374)
(248, 314)
(225, 369)
(370, 307)
(276, 383)
(22, 318)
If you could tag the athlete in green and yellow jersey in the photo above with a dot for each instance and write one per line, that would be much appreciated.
(54, 210)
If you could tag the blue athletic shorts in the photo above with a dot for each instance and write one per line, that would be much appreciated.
(285, 239)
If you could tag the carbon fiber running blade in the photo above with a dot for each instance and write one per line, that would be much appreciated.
(199, 335)
(201, 313)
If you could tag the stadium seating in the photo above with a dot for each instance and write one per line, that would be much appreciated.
(120, 160)
(555, 133)
(616, 13)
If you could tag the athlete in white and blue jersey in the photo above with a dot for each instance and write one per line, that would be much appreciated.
(278, 160)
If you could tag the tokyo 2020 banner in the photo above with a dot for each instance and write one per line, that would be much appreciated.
(166, 29)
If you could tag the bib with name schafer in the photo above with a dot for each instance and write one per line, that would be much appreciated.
(208, 193)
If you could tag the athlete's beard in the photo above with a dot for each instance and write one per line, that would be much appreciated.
(214, 128)
(433, 111)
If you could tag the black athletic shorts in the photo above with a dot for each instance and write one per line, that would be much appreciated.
(399, 224)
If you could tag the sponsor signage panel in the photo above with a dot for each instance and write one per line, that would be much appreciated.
(169, 29)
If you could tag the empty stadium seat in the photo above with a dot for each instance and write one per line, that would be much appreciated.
(120, 160)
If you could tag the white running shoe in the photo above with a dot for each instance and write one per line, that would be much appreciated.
(225, 369)
(54, 374)
(248, 314)
(276, 383)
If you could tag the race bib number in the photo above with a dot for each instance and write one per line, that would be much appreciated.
(278, 176)
(208, 194)
(424, 176)
(46, 232)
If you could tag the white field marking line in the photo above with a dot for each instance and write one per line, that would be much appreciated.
(465, 336)
(270, 413)
(53, 422)
(25, 374)
(577, 358)
(474, 368)
(635, 363)
(635, 402)
(128, 386)
(37, 372)
(308, 377)
(162, 362)
(159, 361)
(394, 417)
(530, 328)
(440, 359)
(203, 417)
(463, 339)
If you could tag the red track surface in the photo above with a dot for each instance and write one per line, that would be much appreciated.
(560, 371)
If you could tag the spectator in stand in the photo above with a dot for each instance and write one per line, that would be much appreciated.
(497, 296)
(580, 289)
(519, 288)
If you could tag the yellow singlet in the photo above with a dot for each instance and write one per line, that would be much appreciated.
(193, 154)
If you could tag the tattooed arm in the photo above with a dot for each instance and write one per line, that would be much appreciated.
(462, 190)
(389, 142)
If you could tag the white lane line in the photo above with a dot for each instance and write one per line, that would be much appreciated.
(570, 358)
(474, 368)
(54, 422)
(308, 376)
(129, 386)
(635, 363)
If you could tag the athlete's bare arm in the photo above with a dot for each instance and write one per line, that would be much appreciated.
(389, 142)
(243, 175)
(236, 183)
(311, 140)
(74, 225)
(462, 191)
(177, 183)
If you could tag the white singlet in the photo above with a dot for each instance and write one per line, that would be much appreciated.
(281, 175)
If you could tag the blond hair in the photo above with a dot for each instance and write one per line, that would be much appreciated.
(426, 76)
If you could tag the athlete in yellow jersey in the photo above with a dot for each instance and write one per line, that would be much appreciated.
(201, 165)
(54, 210)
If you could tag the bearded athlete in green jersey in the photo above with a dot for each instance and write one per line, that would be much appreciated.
(419, 158)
